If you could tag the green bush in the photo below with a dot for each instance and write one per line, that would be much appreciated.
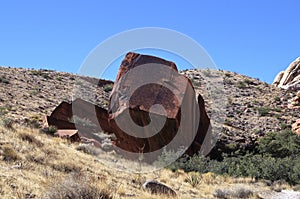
(51, 129)
(276, 157)
(108, 87)
(40, 73)
(277, 99)
(280, 144)
(263, 111)
(3, 111)
(248, 81)
(7, 123)
(241, 84)
(4, 80)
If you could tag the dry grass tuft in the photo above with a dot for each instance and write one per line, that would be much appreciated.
(31, 139)
(9, 154)
(77, 186)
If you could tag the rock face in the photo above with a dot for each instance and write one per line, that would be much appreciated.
(290, 78)
(134, 96)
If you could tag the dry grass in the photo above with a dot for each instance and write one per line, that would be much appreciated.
(36, 165)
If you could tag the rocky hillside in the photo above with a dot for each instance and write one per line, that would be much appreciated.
(253, 108)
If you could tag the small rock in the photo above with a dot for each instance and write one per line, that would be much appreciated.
(158, 188)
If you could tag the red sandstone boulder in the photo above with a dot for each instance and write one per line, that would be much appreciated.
(182, 123)
(80, 116)
(83, 113)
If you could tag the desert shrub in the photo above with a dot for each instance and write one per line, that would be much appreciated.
(3, 111)
(4, 80)
(277, 110)
(228, 75)
(66, 167)
(7, 123)
(277, 99)
(31, 139)
(274, 158)
(51, 130)
(38, 159)
(88, 149)
(33, 123)
(280, 144)
(206, 72)
(197, 163)
(193, 81)
(247, 81)
(40, 73)
(9, 154)
(77, 187)
(58, 78)
(34, 92)
(108, 87)
(241, 84)
(228, 122)
(263, 111)
(193, 179)
(284, 126)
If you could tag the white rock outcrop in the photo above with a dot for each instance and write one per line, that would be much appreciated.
(290, 78)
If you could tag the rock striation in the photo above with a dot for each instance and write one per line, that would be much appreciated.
(290, 78)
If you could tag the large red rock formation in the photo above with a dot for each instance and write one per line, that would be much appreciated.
(151, 107)
(128, 97)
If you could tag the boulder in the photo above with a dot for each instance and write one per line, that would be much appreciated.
(133, 97)
(296, 127)
(87, 115)
(70, 134)
(90, 119)
(158, 188)
(290, 78)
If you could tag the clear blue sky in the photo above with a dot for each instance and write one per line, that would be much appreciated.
(253, 37)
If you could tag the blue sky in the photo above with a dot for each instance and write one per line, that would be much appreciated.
(258, 38)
